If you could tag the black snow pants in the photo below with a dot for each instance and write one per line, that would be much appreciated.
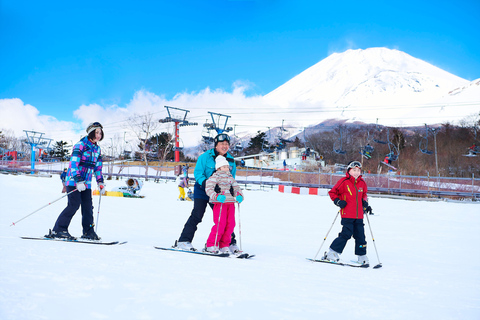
(75, 199)
(355, 228)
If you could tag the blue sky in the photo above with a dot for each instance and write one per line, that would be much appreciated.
(59, 55)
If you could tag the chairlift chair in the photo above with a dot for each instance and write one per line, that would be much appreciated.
(423, 144)
(379, 130)
(338, 145)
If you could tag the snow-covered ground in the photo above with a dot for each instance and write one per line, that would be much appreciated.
(429, 252)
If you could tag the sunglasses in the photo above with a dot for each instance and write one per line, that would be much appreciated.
(222, 137)
(354, 164)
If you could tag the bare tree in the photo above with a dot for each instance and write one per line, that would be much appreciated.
(143, 126)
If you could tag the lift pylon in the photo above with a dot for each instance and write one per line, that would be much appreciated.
(179, 117)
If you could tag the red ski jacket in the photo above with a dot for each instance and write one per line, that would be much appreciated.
(353, 192)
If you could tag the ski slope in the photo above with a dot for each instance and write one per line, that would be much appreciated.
(429, 252)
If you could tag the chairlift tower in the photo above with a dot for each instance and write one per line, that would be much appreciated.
(179, 117)
(220, 118)
(35, 139)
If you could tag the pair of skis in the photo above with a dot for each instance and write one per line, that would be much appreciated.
(241, 255)
(77, 240)
(353, 264)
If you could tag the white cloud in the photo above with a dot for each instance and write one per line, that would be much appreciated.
(249, 113)
(17, 116)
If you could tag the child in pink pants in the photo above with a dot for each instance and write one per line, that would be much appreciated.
(223, 191)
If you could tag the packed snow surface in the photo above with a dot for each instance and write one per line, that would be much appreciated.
(429, 252)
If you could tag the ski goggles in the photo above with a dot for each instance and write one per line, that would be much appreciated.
(222, 137)
(354, 164)
(94, 125)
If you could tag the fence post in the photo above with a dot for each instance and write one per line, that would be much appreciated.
(473, 183)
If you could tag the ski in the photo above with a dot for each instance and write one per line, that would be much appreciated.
(76, 241)
(222, 255)
(243, 256)
(388, 165)
(341, 263)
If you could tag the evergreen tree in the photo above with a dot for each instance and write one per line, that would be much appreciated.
(258, 143)
(61, 151)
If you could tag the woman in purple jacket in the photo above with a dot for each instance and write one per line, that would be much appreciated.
(86, 161)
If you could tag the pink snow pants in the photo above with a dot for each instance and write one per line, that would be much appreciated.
(225, 226)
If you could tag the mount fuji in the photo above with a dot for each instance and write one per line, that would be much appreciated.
(377, 83)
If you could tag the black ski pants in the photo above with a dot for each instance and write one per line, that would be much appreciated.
(199, 207)
(75, 199)
(355, 228)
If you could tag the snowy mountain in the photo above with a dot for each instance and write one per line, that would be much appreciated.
(390, 85)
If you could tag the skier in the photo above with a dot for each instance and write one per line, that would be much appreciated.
(86, 160)
(63, 176)
(182, 183)
(350, 194)
(223, 191)
(387, 159)
(204, 168)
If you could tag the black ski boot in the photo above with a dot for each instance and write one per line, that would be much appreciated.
(59, 235)
(90, 235)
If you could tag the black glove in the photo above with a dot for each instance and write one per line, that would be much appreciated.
(217, 189)
(232, 192)
(341, 203)
(366, 208)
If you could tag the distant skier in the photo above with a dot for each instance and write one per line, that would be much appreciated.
(223, 191)
(350, 194)
(182, 183)
(63, 176)
(86, 160)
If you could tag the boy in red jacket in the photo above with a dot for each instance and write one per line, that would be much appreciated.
(350, 194)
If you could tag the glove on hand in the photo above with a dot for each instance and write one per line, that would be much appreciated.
(81, 186)
(340, 203)
(101, 186)
(239, 198)
(217, 189)
(221, 198)
(366, 208)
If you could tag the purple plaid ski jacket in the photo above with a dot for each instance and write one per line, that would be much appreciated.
(86, 159)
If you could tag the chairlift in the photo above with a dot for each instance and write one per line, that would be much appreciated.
(393, 151)
(379, 130)
(423, 144)
(238, 147)
(367, 150)
(474, 149)
(338, 145)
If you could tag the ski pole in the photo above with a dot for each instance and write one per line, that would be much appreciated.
(379, 265)
(239, 228)
(326, 235)
(218, 226)
(14, 223)
(98, 212)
